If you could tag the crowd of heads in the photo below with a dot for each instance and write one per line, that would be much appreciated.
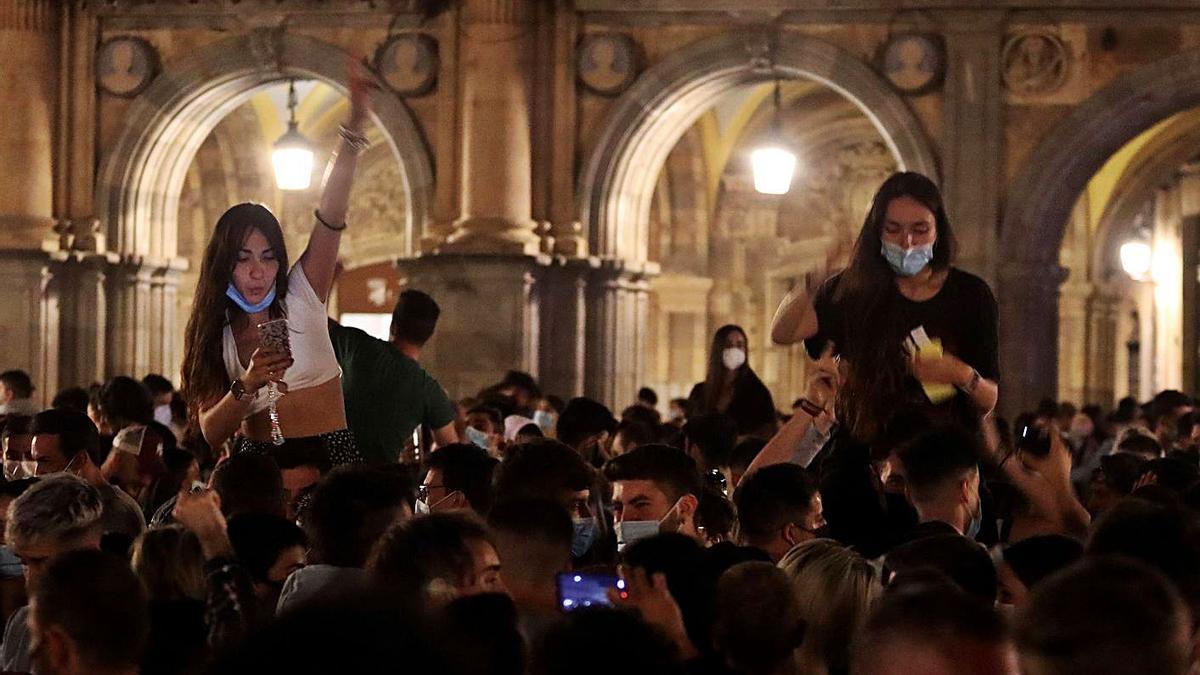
(561, 538)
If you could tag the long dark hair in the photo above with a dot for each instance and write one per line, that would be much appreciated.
(715, 379)
(203, 376)
(874, 354)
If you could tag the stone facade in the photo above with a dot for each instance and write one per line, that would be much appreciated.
(533, 200)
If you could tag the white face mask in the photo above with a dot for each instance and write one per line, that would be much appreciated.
(421, 508)
(16, 469)
(631, 531)
(733, 358)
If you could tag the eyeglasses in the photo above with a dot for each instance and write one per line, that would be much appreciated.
(423, 491)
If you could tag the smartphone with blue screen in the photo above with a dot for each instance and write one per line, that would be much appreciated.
(577, 590)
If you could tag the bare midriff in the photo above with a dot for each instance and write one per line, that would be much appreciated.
(305, 412)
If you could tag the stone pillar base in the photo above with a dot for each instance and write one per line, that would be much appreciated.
(489, 321)
(618, 308)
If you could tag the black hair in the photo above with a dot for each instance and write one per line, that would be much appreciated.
(772, 497)
(635, 433)
(759, 618)
(877, 368)
(1173, 473)
(938, 456)
(716, 516)
(1104, 616)
(71, 398)
(249, 482)
(715, 435)
(16, 488)
(468, 469)
(583, 418)
(683, 404)
(259, 538)
(97, 600)
(541, 469)
(1036, 558)
(157, 384)
(960, 559)
(18, 381)
(351, 508)
(582, 644)
(744, 453)
(414, 318)
(927, 612)
(124, 399)
(416, 552)
(75, 430)
(494, 414)
(672, 471)
(533, 519)
(714, 380)
(1121, 471)
(648, 395)
(521, 380)
(640, 413)
(1140, 444)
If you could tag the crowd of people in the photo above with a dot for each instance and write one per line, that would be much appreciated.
(312, 501)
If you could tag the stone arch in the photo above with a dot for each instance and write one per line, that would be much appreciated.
(140, 178)
(1039, 205)
(617, 182)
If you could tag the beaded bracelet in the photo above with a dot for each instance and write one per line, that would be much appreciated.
(357, 141)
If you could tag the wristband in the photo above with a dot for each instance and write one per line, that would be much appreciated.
(317, 215)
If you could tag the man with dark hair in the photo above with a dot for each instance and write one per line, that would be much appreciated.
(709, 439)
(388, 394)
(438, 557)
(778, 507)
(71, 398)
(759, 622)
(533, 538)
(648, 398)
(941, 468)
(16, 393)
(933, 629)
(522, 389)
(352, 507)
(459, 477)
(88, 616)
(655, 488)
(1140, 445)
(249, 482)
(631, 435)
(65, 441)
(161, 390)
(548, 469)
(587, 426)
(58, 514)
(956, 558)
(1104, 616)
(271, 547)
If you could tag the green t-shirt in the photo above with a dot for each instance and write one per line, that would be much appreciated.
(387, 394)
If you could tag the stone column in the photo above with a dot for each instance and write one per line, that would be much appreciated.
(618, 303)
(84, 314)
(563, 310)
(973, 135)
(129, 322)
(28, 37)
(496, 186)
(1105, 340)
(1189, 196)
(1028, 333)
(1073, 341)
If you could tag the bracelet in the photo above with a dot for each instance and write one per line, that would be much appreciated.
(356, 140)
(969, 387)
(317, 215)
(811, 408)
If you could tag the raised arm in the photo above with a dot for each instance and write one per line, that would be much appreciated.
(320, 257)
(796, 318)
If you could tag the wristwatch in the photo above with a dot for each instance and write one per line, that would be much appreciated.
(239, 391)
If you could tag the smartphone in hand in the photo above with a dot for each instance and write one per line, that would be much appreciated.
(577, 590)
(273, 335)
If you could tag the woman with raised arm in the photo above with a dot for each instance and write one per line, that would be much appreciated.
(286, 404)
(915, 333)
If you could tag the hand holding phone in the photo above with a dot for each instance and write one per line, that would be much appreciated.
(577, 590)
(273, 335)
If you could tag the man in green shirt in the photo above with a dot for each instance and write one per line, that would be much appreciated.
(388, 394)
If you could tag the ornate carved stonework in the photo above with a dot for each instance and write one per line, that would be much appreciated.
(608, 62)
(408, 63)
(915, 63)
(1035, 63)
(125, 66)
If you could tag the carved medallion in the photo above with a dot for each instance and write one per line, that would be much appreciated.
(408, 63)
(125, 66)
(1035, 63)
(915, 63)
(608, 63)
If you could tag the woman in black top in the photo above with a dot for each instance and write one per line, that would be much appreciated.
(901, 287)
(732, 388)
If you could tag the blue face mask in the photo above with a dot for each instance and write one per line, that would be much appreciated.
(10, 564)
(907, 263)
(545, 420)
(632, 531)
(236, 296)
(584, 537)
(478, 438)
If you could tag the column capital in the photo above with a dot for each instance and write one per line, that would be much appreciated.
(35, 16)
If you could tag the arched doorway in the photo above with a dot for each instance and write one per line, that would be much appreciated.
(142, 177)
(1039, 207)
(618, 181)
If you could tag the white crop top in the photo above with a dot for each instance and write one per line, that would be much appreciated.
(308, 330)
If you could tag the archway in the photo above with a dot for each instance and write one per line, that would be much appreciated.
(1039, 206)
(617, 183)
(141, 178)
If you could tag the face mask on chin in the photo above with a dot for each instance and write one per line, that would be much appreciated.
(478, 438)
